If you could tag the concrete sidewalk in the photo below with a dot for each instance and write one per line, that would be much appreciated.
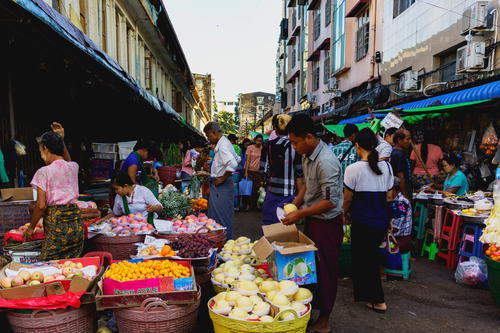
(431, 301)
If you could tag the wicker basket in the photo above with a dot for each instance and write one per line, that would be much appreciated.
(89, 213)
(121, 247)
(155, 315)
(69, 320)
(167, 174)
(223, 324)
(218, 236)
(203, 275)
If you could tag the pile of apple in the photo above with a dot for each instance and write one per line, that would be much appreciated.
(69, 270)
(22, 229)
(191, 223)
(130, 224)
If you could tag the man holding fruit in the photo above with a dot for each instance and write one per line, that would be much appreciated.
(320, 200)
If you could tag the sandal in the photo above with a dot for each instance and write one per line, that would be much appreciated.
(372, 307)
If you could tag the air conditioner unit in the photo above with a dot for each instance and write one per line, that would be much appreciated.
(470, 58)
(408, 81)
(311, 98)
(475, 17)
(332, 83)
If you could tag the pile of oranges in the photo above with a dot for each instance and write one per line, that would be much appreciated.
(199, 204)
(493, 252)
(127, 271)
(166, 251)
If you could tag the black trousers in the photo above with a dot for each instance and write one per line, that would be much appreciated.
(365, 242)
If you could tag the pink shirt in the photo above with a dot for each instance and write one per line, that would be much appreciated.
(253, 157)
(434, 155)
(59, 180)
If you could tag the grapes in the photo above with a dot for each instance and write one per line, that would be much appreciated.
(192, 246)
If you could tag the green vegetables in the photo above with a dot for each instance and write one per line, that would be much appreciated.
(172, 155)
(174, 205)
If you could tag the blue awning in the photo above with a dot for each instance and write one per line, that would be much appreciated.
(482, 92)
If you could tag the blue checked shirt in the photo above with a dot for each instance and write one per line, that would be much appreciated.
(341, 149)
(401, 215)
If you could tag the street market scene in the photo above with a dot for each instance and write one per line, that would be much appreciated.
(285, 166)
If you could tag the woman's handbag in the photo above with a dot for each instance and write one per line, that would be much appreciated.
(390, 252)
(245, 186)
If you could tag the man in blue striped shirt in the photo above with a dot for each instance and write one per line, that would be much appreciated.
(346, 150)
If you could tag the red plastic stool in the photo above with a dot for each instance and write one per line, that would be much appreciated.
(449, 235)
(102, 255)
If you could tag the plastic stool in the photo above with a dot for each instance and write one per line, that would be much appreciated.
(420, 218)
(431, 248)
(103, 256)
(405, 269)
(471, 235)
(449, 234)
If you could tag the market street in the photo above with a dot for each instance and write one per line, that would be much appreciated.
(430, 301)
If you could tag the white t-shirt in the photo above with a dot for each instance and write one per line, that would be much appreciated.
(369, 203)
(140, 198)
(384, 148)
(225, 158)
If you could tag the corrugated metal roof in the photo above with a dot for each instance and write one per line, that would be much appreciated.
(482, 92)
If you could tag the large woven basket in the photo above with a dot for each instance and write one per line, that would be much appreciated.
(89, 213)
(218, 236)
(155, 315)
(69, 320)
(223, 324)
(121, 247)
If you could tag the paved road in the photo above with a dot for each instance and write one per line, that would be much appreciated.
(430, 301)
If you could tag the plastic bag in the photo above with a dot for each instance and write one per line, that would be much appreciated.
(262, 196)
(245, 186)
(472, 272)
(489, 141)
(20, 148)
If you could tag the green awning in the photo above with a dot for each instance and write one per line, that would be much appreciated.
(254, 134)
(339, 129)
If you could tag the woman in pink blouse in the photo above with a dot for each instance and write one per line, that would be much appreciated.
(57, 192)
(252, 166)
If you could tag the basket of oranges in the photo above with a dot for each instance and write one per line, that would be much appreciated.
(199, 204)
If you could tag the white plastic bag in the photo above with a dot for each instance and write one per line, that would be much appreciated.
(472, 272)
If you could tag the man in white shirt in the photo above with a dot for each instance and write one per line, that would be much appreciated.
(220, 202)
(385, 144)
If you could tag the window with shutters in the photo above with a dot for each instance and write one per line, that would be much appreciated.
(83, 14)
(400, 6)
(363, 34)
(294, 95)
(315, 75)
(294, 56)
(338, 46)
(326, 67)
(328, 12)
(147, 72)
(317, 23)
(102, 23)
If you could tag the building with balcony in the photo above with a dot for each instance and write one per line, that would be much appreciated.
(251, 108)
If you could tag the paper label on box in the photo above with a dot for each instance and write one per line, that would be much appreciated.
(300, 267)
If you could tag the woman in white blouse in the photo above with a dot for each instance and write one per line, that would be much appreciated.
(132, 198)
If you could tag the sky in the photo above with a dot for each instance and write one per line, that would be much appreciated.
(234, 40)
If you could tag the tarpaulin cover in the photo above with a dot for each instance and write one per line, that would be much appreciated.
(51, 302)
(339, 129)
(19, 238)
(360, 119)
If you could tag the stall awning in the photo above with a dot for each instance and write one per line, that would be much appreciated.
(339, 129)
(63, 27)
(360, 119)
(478, 93)
(254, 134)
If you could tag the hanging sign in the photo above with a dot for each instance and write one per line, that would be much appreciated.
(391, 120)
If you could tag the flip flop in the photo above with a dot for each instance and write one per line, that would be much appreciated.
(372, 307)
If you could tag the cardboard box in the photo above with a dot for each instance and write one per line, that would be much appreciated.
(77, 284)
(15, 194)
(149, 286)
(295, 260)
